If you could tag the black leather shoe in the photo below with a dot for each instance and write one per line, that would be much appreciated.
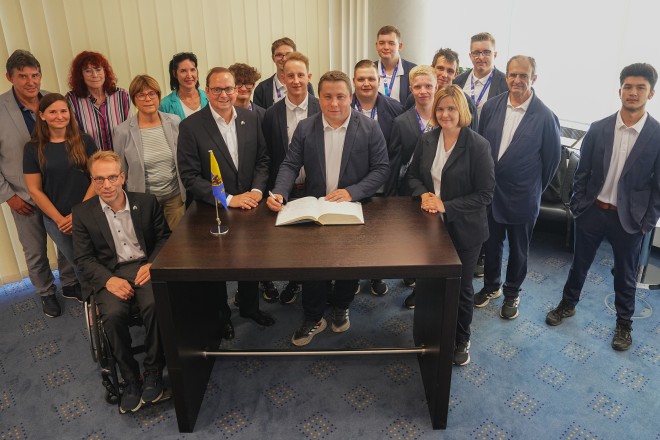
(260, 317)
(622, 339)
(227, 330)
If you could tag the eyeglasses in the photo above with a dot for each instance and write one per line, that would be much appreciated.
(91, 71)
(485, 53)
(280, 56)
(219, 90)
(143, 96)
(248, 86)
(99, 181)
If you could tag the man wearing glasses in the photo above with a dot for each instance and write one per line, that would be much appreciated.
(484, 81)
(273, 89)
(235, 137)
(116, 236)
(246, 77)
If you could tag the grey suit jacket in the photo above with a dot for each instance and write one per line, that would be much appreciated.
(128, 145)
(364, 165)
(276, 134)
(638, 189)
(199, 133)
(13, 137)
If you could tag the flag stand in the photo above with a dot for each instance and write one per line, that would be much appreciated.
(220, 229)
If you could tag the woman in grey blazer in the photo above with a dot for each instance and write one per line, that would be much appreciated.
(146, 144)
(452, 172)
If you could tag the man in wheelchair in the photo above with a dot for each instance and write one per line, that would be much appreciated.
(116, 235)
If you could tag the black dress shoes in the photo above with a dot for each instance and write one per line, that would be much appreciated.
(227, 330)
(260, 317)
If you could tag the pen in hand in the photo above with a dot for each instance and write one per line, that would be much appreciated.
(283, 202)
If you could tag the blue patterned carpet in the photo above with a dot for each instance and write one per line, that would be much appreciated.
(526, 380)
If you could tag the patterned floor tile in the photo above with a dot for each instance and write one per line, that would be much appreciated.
(361, 342)
(6, 400)
(23, 306)
(232, 422)
(249, 366)
(556, 263)
(504, 350)
(16, 432)
(401, 429)
(552, 376)
(149, 416)
(632, 379)
(323, 369)
(529, 328)
(397, 326)
(73, 409)
(363, 304)
(315, 427)
(577, 352)
(96, 435)
(58, 377)
(360, 398)
(577, 432)
(598, 330)
(524, 404)
(279, 394)
(34, 326)
(608, 407)
(475, 374)
(648, 353)
(536, 277)
(398, 372)
(595, 278)
(488, 430)
(606, 262)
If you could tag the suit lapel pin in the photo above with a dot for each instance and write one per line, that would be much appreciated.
(134, 207)
(242, 122)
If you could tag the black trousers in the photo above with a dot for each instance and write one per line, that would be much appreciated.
(116, 314)
(590, 229)
(315, 294)
(519, 237)
(468, 259)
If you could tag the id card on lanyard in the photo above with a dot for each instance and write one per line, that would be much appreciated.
(388, 88)
(358, 107)
(424, 128)
(483, 91)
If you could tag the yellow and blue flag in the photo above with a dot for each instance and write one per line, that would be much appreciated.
(216, 182)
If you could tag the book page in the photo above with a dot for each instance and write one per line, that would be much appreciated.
(299, 210)
(340, 213)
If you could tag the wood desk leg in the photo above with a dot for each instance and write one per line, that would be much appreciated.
(436, 311)
(188, 320)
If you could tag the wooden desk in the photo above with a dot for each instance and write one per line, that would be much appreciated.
(398, 240)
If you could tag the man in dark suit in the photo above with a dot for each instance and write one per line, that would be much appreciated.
(409, 126)
(18, 109)
(235, 137)
(370, 102)
(524, 138)
(279, 124)
(345, 159)
(484, 81)
(273, 89)
(392, 69)
(116, 236)
(616, 195)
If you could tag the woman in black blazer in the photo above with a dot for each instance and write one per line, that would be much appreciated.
(452, 172)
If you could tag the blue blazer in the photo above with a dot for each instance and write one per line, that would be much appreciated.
(387, 110)
(404, 82)
(403, 139)
(467, 185)
(263, 93)
(529, 162)
(199, 133)
(276, 135)
(638, 190)
(364, 166)
(497, 85)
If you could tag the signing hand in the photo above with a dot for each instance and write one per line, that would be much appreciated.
(339, 195)
(143, 275)
(20, 206)
(120, 288)
(275, 205)
(244, 201)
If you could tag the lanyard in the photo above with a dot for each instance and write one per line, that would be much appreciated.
(388, 89)
(277, 90)
(358, 107)
(422, 127)
(483, 91)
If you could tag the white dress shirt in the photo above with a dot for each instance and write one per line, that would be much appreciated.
(278, 87)
(511, 122)
(624, 141)
(439, 162)
(479, 84)
(123, 232)
(334, 148)
(295, 114)
(388, 78)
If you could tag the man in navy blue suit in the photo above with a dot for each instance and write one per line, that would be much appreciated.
(524, 138)
(345, 160)
(393, 69)
(616, 195)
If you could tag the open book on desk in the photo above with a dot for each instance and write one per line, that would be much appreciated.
(311, 209)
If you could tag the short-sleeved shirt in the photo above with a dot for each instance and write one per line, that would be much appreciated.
(64, 183)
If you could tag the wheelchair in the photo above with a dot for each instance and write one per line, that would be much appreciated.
(102, 352)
